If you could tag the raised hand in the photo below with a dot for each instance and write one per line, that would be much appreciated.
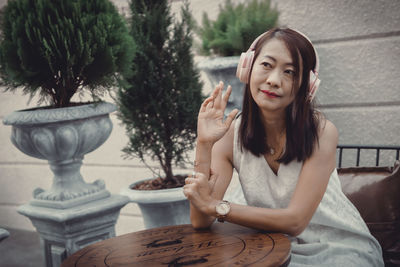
(210, 124)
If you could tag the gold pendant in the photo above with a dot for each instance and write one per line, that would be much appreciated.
(272, 151)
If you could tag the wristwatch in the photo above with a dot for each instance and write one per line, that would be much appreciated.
(222, 209)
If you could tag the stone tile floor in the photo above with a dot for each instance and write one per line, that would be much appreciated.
(21, 249)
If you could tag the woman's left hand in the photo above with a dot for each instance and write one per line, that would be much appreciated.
(198, 190)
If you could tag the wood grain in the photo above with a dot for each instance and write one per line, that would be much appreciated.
(181, 245)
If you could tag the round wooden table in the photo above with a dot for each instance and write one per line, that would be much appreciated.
(180, 245)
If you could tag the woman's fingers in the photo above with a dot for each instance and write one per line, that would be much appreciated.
(190, 186)
(215, 95)
(187, 191)
(210, 104)
(217, 99)
(205, 103)
(198, 187)
(226, 97)
(195, 177)
(217, 89)
(221, 99)
(189, 180)
(218, 95)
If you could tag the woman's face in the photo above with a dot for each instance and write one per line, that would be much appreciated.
(272, 77)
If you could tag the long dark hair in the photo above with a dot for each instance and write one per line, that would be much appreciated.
(302, 120)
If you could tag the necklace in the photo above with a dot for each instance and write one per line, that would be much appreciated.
(271, 151)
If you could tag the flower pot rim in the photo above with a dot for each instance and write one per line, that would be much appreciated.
(153, 196)
(42, 115)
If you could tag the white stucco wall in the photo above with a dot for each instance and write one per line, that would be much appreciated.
(359, 46)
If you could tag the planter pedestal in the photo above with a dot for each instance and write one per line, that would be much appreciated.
(65, 231)
(71, 213)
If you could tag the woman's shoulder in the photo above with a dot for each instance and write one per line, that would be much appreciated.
(328, 134)
(326, 127)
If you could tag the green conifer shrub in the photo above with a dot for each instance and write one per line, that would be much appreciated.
(236, 27)
(56, 48)
(160, 102)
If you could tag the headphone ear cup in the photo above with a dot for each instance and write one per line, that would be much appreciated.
(313, 85)
(240, 64)
(244, 66)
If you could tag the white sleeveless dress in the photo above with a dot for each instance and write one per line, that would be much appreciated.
(336, 234)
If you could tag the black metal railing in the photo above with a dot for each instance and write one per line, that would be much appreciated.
(367, 147)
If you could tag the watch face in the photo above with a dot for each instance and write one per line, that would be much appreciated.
(223, 208)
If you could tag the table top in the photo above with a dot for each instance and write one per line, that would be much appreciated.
(224, 244)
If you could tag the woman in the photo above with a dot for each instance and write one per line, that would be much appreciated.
(284, 152)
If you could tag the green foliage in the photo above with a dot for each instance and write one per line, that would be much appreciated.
(56, 48)
(236, 27)
(160, 102)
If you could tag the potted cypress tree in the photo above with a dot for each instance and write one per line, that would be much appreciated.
(159, 105)
(232, 33)
(56, 49)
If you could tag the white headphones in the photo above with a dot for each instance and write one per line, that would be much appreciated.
(247, 58)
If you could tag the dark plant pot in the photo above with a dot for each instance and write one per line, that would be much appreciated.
(160, 207)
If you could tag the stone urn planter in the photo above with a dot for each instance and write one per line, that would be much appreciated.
(224, 69)
(63, 136)
(160, 207)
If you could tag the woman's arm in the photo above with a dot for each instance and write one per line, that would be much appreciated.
(212, 142)
(314, 178)
(308, 193)
(222, 170)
